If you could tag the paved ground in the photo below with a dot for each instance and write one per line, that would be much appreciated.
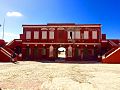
(29, 75)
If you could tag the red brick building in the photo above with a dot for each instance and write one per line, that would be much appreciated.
(80, 42)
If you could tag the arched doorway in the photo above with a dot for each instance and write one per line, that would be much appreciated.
(61, 52)
(51, 51)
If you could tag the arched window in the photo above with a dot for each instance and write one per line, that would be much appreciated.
(70, 51)
(51, 51)
(51, 34)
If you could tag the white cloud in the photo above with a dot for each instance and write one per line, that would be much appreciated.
(14, 14)
(8, 36)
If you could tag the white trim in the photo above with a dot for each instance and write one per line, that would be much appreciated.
(51, 28)
(19, 40)
(66, 43)
(113, 52)
(9, 43)
(60, 28)
(104, 41)
(5, 53)
(42, 28)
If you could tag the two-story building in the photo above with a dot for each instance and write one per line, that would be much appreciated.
(80, 41)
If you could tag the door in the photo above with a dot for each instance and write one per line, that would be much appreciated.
(35, 52)
(28, 52)
(85, 53)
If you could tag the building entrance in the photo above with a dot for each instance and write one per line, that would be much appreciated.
(61, 52)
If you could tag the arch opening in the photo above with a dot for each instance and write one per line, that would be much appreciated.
(61, 52)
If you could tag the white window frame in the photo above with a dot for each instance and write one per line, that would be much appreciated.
(51, 34)
(68, 33)
(44, 34)
(36, 34)
(94, 34)
(77, 34)
(28, 34)
(86, 34)
(72, 35)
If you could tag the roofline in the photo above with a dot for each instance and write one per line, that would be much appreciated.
(61, 25)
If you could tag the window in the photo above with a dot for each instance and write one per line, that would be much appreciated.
(28, 34)
(70, 34)
(36, 34)
(44, 34)
(69, 37)
(94, 34)
(86, 35)
(77, 34)
(51, 35)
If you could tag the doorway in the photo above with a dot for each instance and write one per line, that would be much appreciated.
(36, 52)
(18, 50)
(61, 52)
(28, 52)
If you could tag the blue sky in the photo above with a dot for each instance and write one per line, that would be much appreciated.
(105, 12)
